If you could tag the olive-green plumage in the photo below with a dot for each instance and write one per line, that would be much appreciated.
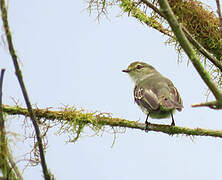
(154, 93)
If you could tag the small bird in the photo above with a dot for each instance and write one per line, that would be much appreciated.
(155, 94)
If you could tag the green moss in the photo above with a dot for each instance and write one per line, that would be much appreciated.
(4, 163)
(77, 121)
(73, 122)
(201, 22)
(130, 7)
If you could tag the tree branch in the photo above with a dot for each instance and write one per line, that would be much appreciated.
(130, 7)
(1, 112)
(166, 10)
(201, 49)
(13, 165)
(192, 40)
(212, 105)
(154, 8)
(219, 13)
(79, 117)
(5, 155)
(4, 166)
(23, 88)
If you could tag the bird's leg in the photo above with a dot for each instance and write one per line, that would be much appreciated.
(146, 122)
(172, 123)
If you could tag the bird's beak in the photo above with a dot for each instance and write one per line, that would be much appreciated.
(125, 70)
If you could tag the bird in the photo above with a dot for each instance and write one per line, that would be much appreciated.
(153, 93)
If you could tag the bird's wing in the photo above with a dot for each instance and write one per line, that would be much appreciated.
(173, 100)
(146, 98)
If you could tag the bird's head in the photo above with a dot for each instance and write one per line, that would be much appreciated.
(139, 70)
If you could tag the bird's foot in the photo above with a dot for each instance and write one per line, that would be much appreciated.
(173, 123)
(147, 124)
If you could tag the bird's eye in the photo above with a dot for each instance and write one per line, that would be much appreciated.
(139, 67)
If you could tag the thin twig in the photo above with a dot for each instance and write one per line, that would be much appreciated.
(1, 112)
(201, 49)
(185, 44)
(154, 8)
(193, 41)
(3, 156)
(101, 120)
(131, 8)
(23, 88)
(219, 13)
(3, 144)
(14, 166)
(211, 104)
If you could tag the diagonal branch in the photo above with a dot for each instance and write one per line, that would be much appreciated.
(219, 13)
(80, 117)
(185, 44)
(131, 7)
(154, 8)
(13, 165)
(192, 40)
(23, 88)
(201, 49)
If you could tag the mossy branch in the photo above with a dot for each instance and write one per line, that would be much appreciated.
(201, 27)
(219, 13)
(187, 47)
(211, 104)
(192, 40)
(198, 20)
(131, 7)
(201, 22)
(201, 49)
(81, 117)
(5, 168)
(18, 72)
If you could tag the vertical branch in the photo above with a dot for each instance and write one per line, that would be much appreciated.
(13, 165)
(192, 40)
(185, 44)
(4, 166)
(4, 153)
(1, 111)
(219, 13)
(201, 49)
(24, 91)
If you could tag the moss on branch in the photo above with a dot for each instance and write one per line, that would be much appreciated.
(131, 7)
(187, 47)
(201, 22)
(79, 118)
